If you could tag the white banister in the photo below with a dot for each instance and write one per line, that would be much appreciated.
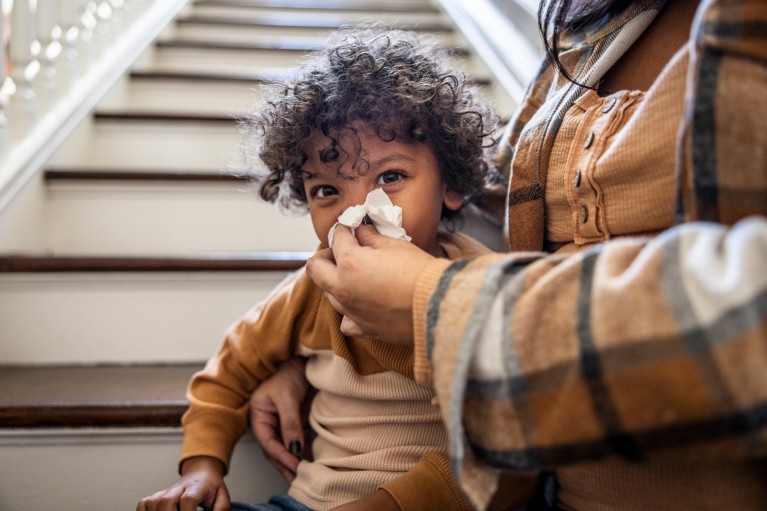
(70, 73)
(3, 76)
(47, 85)
(22, 107)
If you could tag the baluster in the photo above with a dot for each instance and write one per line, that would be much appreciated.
(102, 12)
(130, 10)
(88, 44)
(47, 83)
(118, 18)
(3, 75)
(69, 22)
(21, 108)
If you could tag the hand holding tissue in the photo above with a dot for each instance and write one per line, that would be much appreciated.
(386, 217)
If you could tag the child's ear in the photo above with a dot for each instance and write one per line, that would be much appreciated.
(452, 199)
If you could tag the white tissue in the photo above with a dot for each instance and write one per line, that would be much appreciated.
(386, 217)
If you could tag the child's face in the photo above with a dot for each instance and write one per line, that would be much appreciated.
(407, 171)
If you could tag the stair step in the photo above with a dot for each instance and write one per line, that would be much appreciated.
(94, 396)
(249, 34)
(193, 146)
(297, 44)
(197, 76)
(121, 317)
(101, 437)
(420, 7)
(317, 20)
(168, 214)
(231, 262)
(199, 97)
(154, 116)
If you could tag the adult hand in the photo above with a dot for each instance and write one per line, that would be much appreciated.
(370, 279)
(201, 484)
(278, 418)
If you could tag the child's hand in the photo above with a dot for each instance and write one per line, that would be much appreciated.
(201, 484)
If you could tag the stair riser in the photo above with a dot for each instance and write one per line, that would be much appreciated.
(161, 218)
(190, 96)
(137, 145)
(122, 317)
(100, 469)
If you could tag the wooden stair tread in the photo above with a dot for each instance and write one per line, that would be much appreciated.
(88, 396)
(325, 4)
(135, 115)
(115, 174)
(301, 22)
(292, 45)
(221, 262)
(205, 76)
(238, 77)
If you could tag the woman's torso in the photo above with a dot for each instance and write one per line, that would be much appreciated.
(607, 169)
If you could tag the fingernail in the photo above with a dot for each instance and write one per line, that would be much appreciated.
(295, 448)
(366, 220)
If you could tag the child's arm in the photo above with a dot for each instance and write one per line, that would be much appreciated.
(379, 500)
(430, 485)
(201, 484)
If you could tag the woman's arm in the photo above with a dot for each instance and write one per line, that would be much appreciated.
(278, 417)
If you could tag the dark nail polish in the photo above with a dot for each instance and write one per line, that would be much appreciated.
(295, 448)
(366, 220)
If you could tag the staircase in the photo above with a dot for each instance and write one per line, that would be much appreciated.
(128, 241)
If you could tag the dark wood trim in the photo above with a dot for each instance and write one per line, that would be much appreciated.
(205, 77)
(227, 262)
(230, 77)
(297, 22)
(328, 4)
(303, 45)
(146, 116)
(92, 416)
(143, 175)
(94, 396)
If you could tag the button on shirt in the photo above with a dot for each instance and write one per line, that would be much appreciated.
(614, 180)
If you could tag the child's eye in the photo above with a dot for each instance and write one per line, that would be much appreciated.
(323, 191)
(390, 176)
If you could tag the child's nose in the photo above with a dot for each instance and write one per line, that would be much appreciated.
(354, 197)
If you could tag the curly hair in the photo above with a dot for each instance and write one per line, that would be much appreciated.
(393, 81)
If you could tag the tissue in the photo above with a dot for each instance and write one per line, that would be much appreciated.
(386, 217)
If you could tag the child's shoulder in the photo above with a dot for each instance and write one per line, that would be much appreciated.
(457, 245)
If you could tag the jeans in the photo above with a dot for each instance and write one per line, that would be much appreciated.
(276, 503)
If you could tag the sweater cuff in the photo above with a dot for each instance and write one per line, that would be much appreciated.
(424, 287)
(427, 486)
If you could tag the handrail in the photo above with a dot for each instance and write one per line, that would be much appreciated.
(64, 56)
(508, 44)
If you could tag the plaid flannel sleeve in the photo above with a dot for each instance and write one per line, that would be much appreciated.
(642, 349)
(636, 348)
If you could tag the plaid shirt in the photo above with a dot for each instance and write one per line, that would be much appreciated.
(641, 348)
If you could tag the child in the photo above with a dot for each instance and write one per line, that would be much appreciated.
(371, 112)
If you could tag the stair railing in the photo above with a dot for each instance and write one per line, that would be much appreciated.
(58, 58)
